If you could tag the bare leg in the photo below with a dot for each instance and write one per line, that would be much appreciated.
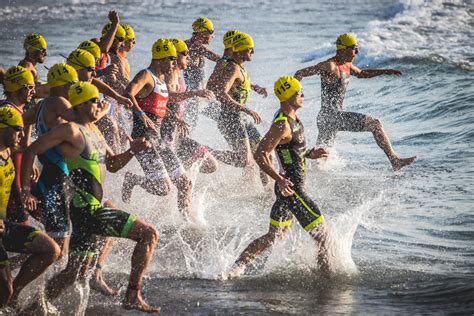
(146, 238)
(321, 235)
(382, 140)
(239, 157)
(44, 251)
(255, 248)
(97, 282)
(63, 243)
(185, 193)
(156, 187)
(76, 267)
(6, 286)
(209, 164)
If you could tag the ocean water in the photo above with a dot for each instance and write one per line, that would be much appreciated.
(404, 241)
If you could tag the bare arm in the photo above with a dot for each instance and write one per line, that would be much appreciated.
(107, 40)
(260, 90)
(116, 162)
(318, 69)
(370, 73)
(29, 117)
(181, 96)
(172, 83)
(278, 132)
(41, 91)
(211, 55)
(133, 88)
(107, 90)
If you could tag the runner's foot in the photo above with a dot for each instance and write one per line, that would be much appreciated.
(98, 284)
(236, 271)
(135, 301)
(399, 163)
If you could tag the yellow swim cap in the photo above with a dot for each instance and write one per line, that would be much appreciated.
(82, 92)
(228, 36)
(10, 117)
(129, 32)
(81, 59)
(163, 48)
(16, 78)
(180, 45)
(34, 42)
(61, 74)
(92, 48)
(285, 87)
(241, 42)
(345, 40)
(120, 34)
(203, 24)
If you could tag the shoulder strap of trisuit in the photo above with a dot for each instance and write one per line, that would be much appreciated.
(280, 117)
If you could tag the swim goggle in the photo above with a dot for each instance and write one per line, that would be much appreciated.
(89, 69)
(29, 87)
(14, 127)
(42, 51)
(94, 100)
(355, 48)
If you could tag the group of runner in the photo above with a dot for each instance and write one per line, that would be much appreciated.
(80, 116)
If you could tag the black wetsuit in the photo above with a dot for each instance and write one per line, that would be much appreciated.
(291, 157)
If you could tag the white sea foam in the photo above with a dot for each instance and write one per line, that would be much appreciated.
(440, 31)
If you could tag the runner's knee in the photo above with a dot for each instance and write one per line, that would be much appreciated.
(150, 235)
(209, 165)
(184, 183)
(161, 187)
(46, 246)
(110, 204)
(374, 124)
(276, 233)
(243, 159)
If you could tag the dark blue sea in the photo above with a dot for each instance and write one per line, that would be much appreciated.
(404, 241)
